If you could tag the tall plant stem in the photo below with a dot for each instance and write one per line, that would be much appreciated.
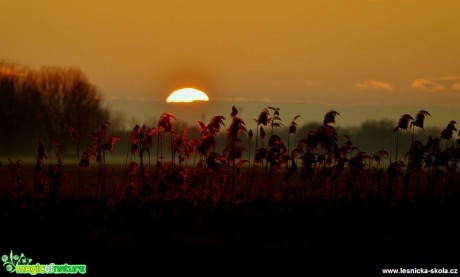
(249, 170)
(126, 161)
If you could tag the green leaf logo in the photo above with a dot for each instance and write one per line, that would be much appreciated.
(12, 261)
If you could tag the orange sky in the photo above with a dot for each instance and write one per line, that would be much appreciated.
(337, 52)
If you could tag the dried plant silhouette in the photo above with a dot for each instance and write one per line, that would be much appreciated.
(419, 121)
(403, 124)
(246, 166)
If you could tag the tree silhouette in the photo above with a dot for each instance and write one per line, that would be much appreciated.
(45, 103)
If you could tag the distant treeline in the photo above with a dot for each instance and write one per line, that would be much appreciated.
(43, 104)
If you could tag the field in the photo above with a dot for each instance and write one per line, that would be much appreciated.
(316, 206)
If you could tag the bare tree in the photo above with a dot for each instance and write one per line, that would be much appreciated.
(44, 104)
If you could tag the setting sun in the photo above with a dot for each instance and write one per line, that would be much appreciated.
(187, 95)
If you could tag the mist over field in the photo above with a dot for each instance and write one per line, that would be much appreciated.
(370, 137)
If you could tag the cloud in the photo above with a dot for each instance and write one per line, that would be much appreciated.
(456, 86)
(436, 84)
(427, 85)
(368, 84)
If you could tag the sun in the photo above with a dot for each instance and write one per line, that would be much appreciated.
(187, 95)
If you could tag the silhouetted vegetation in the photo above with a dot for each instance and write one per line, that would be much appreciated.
(42, 104)
(162, 162)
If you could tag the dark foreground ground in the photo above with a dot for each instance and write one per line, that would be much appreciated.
(147, 238)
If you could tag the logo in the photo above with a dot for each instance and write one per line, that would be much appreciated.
(22, 265)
